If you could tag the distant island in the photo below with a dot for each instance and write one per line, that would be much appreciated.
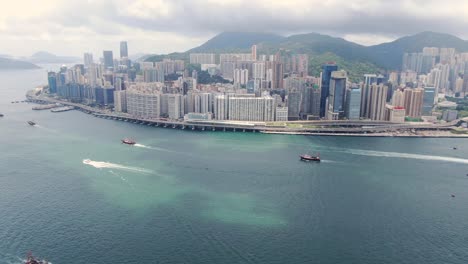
(46, 57)
(11, 64)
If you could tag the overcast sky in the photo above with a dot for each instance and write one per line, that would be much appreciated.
(71, 27)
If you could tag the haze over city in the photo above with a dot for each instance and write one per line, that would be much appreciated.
(164, 26)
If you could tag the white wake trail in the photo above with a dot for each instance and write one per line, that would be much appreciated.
(108, 165)
(405, 155)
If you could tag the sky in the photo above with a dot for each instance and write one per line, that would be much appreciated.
(72, 27)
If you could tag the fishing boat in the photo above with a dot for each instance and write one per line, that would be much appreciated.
(305, 157)
(128, 141)
(32, 260)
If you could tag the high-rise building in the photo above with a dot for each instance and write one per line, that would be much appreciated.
(275, 74)
(294, 105)
(465, 80)
(120, 101)
(327, 69)
(353, 103)
(252, 108)
(241, 76)
(175, 106)
(373, 101)
(336, 99)
(428, 100)
(123, 49)
(144, 103)
(88, 59)
(52, 81)
(202, 58)
(398, 98)
(258, 70)
(414, 101)
(396, 114)
(281, 114)
(108, 59)
(254, 52)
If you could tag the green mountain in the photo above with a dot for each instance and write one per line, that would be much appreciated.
(235, 42)
(389, 55)
(10, 64)
(354, 58)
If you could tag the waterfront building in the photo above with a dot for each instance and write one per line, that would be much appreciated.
(120, 101)
(123, 49)
(373, 101)
(294, 105)
(353, 103)
(325, 76)
(428, 100)
(143, 102)
(336, 99)
(414, 101)
(198, 116)
(52, 81)
(281, 114)
(175, 106)
(202, 58)
(220, 107)
(396, 114)
(450, 115)
(108, 59)
(251, 108)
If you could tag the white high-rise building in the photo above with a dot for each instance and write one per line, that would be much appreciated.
(120, 101)
(258, 69)
(142, 102)
(241, 76)
(202, 58)
(175, 106)
(252, 108)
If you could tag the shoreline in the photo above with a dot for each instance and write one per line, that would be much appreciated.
(389, 130)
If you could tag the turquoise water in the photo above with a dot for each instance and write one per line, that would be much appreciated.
(220, 197)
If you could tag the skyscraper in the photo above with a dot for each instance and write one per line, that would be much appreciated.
(327, 69)
(373, 100)
(414, 101)
(254, 52)
(123, 49)
(353, 103)
(336, 99)
(52, 80)
(108, 59)
(465, 80)
(428, 100)
(88, 59)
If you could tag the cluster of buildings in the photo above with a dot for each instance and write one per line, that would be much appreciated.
(262, 88)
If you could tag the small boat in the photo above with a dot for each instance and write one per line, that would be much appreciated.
(2, 115)
(455, 148)
(128, 141)
(31, 123)
(305, 157)
(32, 260)
(453, 195)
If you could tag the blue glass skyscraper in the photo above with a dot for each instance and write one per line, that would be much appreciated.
(327, 69)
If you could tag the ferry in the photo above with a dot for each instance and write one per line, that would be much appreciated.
(31, 123)
(305, 157)
(128, 141)
(32, 260)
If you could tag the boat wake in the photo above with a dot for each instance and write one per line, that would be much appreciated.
(142, 146)
(108, 165)
(405, 155)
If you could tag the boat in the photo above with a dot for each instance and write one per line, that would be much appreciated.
(305, 157)
(31, 123)
(32, 260)
(86, 161)
(455, 148)
(128, 141)
(2, 115)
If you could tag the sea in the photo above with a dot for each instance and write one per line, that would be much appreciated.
(70, 192)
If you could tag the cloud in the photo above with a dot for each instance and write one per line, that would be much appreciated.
(161, 26)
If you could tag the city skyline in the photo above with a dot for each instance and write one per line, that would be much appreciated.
(156, 27)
